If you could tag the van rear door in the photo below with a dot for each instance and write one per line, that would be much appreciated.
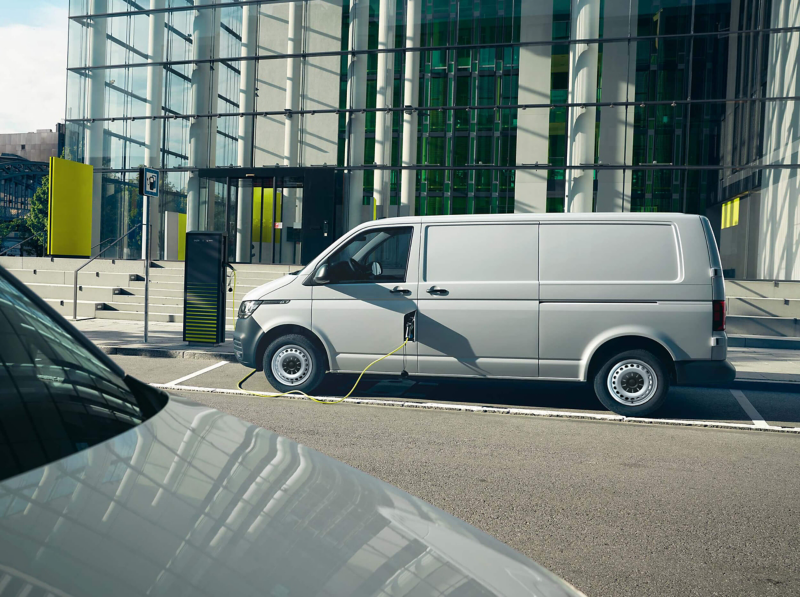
(717, 279)
(479, 299)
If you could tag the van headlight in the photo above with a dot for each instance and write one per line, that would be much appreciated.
(247, 308)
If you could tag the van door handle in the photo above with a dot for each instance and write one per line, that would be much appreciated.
(398, 290)
(436, 290)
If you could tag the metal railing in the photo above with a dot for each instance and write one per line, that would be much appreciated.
(75, 275)
(17, 245)
(101, 243)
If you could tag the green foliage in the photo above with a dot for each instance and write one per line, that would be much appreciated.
(34, 224)
(36, 220)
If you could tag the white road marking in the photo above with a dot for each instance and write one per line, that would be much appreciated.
(195, 374)
(758, 420)
(530, 412)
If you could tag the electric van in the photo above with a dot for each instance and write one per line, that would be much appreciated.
(630, 303)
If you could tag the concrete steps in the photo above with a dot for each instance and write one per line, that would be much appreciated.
(764, 307)
(762, 289)
(783, 327)
(114, 288)
(64, 307)
(139, 316)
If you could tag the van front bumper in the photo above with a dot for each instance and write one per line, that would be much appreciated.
(246, 337)
(701, 373)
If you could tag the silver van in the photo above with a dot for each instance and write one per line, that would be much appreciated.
(629, 302)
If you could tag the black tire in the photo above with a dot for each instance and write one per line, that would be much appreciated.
(633, 370)
(298, 352)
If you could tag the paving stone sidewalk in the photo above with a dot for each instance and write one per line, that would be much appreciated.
(165, 340)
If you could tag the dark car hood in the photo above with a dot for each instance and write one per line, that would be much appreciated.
(197, 502)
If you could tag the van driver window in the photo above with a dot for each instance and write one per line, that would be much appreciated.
(374, 256)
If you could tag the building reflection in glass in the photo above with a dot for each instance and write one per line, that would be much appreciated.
(195, 502)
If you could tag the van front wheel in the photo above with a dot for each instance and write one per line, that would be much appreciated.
(292, 362)
(633, 383)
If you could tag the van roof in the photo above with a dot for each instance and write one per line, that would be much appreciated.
(550, 217)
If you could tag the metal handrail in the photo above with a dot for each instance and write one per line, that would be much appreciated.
(102, 242)
(18, 244)
(75, 275)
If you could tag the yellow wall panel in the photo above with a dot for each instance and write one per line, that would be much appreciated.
(263, 223)
(69, 220)
(182, 237)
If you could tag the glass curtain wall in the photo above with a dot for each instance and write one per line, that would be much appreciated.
(439, 106)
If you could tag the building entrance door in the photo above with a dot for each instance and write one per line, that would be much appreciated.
(271, 215)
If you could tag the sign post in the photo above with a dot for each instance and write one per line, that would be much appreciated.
(148, 188)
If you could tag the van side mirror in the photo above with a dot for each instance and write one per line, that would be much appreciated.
(321, 276)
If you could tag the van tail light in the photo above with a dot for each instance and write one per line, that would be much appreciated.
(718, 316)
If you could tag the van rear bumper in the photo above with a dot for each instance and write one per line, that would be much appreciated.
(700, 373)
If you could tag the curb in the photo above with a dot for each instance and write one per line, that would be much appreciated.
(526, 412)
(764, 342)
(161, 353)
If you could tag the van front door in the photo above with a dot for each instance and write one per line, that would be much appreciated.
(372, 286)
(479, 300)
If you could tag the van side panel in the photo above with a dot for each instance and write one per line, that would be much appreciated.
(623, 261)
(571, 332)
(604, 280)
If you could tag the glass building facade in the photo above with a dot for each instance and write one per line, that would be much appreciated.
(433, 107)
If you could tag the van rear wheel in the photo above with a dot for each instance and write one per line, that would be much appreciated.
(292, 362)
(633, 383)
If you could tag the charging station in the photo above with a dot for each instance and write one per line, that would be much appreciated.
(204, 288)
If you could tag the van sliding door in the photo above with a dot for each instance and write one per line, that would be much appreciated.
(479, 300)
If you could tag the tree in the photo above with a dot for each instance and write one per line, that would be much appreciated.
(36, 220)
(34, 224)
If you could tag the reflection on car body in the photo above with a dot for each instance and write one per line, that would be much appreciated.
(186, 500)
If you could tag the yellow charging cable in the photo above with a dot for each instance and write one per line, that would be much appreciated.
(299, 393)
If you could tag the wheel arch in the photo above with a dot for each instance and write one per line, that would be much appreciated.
(283, 330)
(607, 347)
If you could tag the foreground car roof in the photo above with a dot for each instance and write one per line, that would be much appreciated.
(197, 502)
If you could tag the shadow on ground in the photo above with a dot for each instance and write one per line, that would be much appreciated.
(707, 404)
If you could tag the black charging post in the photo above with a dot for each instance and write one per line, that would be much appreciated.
(204, 288)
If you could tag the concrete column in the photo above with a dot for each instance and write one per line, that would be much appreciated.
(616, 124)
(293, 46)
(155, 87)
(244, 223)
(291, 132)
(533, 124)
(203, 131)
(247, 84)
(171, 235)
(408, 180)
(779, 218)
(383, 120)
(357, 99)
(247, 103)
(153, 111)
(96, 100)
(581, 121)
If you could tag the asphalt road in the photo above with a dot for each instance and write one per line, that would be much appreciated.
(615, 508)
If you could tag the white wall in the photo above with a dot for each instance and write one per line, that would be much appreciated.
(779, 222)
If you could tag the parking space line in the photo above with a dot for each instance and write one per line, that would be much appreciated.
(748, 408)
(196, 373)
(532, 412)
